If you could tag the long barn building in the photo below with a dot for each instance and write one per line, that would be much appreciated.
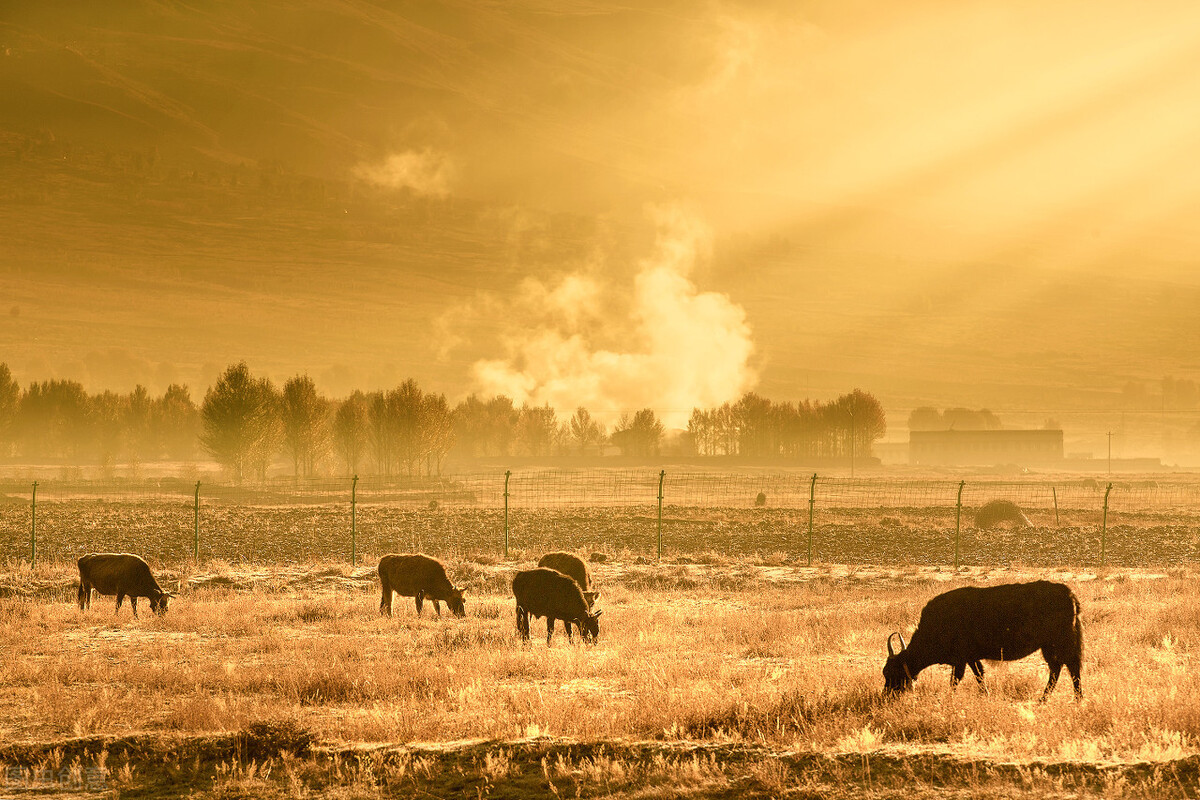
(985, 448)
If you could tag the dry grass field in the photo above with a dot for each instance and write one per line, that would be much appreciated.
(714, 677)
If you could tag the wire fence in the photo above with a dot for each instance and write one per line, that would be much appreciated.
(680, 510)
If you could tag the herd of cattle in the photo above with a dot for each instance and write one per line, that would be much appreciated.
(960, 628)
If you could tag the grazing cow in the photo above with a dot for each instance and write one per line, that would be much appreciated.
(421, 577)
(121, 574)
(964, 626)
(548, 593)
(572, 566)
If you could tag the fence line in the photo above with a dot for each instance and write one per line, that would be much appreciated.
(936, 503)
(616, 487)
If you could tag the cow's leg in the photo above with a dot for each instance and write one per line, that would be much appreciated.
(1073, 659)
(120, 599)
(385, 602)
(437, 606)
(420, 602)
(957, 675)
(1075, 669)
(83, 593)
(1055, 668)
(522, 624)
(133, 602)
(549, 629)
(977, 668)
(567, 625)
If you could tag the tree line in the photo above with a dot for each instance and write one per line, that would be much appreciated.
(757, 426)
(247, 423)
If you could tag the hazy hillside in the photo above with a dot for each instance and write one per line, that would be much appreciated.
(358, 191)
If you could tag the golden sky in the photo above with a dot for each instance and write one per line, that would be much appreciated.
(946, 202)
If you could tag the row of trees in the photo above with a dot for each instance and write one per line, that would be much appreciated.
(59, 420)
(757, 426)
(246, 423)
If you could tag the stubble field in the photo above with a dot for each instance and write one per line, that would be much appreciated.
(164, 532)
(716, 675)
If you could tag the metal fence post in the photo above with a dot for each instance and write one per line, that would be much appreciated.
(33, 530)
(661, 477)
(196, 523)
(1054, 491)
(812, 501)
(354, 521)
(1104, 526)
(958, 522)
(507, 475)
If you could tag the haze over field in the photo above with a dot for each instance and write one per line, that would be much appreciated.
(984, 204)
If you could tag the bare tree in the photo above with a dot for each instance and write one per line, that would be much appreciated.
(437, 432)
(305, 417)
(537, 427)
(137, 416)
(502, 425)
(175, 423)
(270, 439)
(351, 430)
(106, 412)
(404, 409)
(863, 419)
(639, 435)
(380, 432)
(584, 431)
(53, 419)
(237, 422)
(470, 422)
(10, 396)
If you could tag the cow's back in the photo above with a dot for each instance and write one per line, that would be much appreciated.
(545, 592)
(1005, 622)
(570, 565)
(412, 573)
(109, 573)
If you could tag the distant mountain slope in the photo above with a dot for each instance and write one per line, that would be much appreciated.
(181, 186)
(322, 85)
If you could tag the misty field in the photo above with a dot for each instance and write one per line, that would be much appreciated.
(718, 677)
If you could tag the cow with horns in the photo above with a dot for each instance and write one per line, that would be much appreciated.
(965, 626)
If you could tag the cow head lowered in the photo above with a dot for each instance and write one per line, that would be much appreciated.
(589, 626)
(896, 674)
(159, 604)
(454, 601)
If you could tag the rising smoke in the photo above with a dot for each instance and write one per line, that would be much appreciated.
(426, 172)
(660, 344)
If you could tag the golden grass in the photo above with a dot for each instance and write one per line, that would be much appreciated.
(738, 654)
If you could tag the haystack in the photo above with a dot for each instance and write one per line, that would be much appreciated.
(999, 512)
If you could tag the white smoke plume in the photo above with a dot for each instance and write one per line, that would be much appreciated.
(664, 344)
(426, 172)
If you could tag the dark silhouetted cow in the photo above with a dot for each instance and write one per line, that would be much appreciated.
(548, 593)
(964, 626)
(573, 567)
(122, 574)
(421, 577)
